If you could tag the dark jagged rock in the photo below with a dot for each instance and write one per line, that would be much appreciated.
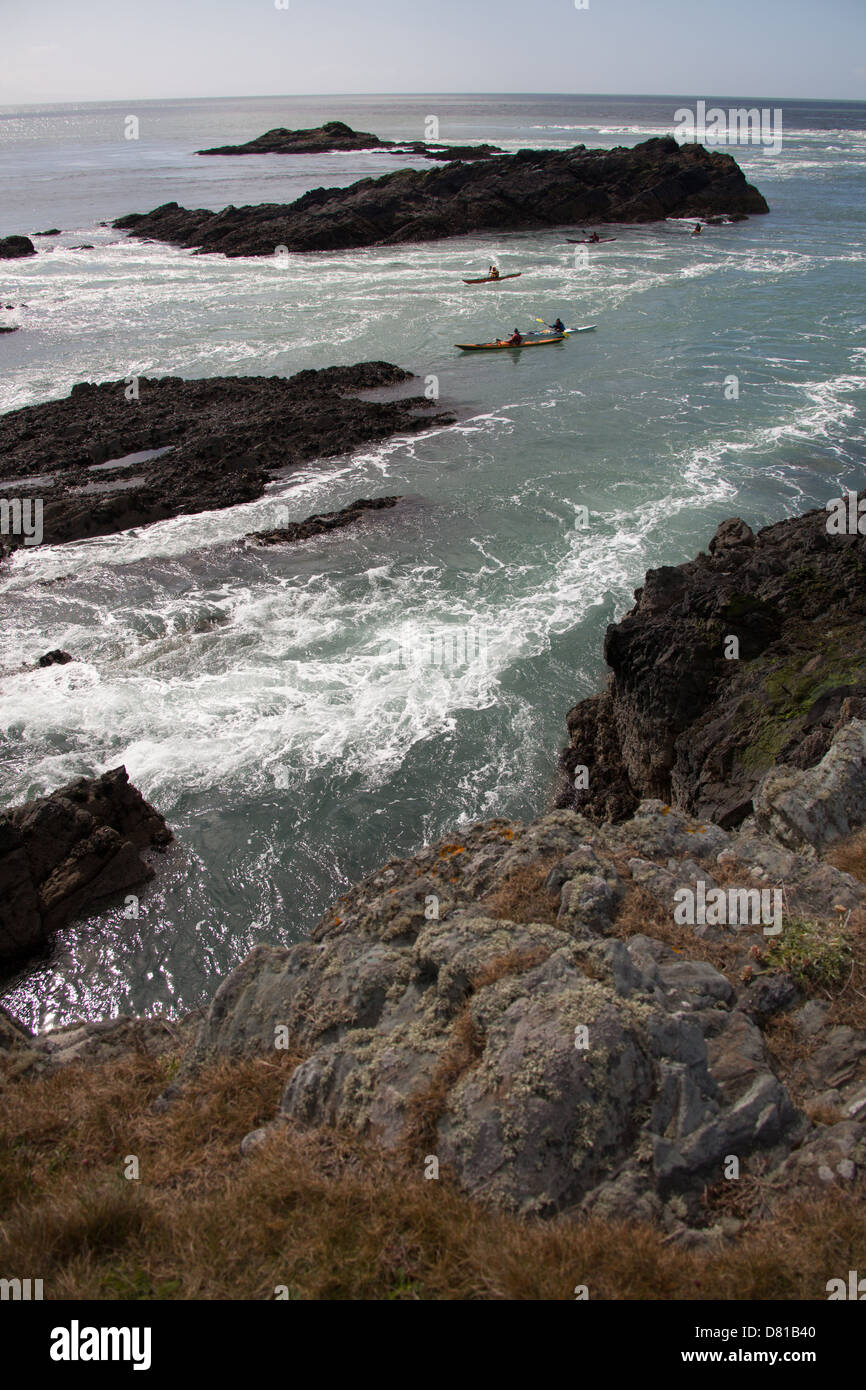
(11, 247)
(528, 190)
(335, 136)
(448, 154)
(320, 524)
(9, 327)
(52, 231)
(324, 139)
(55, 658)
(682, 722)
(226, 438)
(61, 854)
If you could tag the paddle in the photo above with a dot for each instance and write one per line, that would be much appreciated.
(546, 324)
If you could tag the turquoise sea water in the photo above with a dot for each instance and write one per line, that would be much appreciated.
(301, 716)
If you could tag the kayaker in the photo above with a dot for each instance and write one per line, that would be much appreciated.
(493, 272)
(559, 326)
(696, 230)
(516, 339)
(595, 237)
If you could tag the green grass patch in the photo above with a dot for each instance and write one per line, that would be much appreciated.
(816, 954)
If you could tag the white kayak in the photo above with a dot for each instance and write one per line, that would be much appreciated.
(566, 332)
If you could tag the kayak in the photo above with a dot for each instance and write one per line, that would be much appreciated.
(494, 279)
(509, 347)
(566, 332)
(585, 240)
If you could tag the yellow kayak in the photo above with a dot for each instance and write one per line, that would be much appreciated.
(501, 344)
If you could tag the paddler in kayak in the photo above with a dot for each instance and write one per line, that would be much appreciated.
(558, 327)
(697, 229)
(493, 272)
(515, 340)
(593, 237)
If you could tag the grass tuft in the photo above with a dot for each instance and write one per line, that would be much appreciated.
(817, 955)
(522, 896)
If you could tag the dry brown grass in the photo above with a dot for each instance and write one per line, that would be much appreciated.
(509, 963)
(850, 856)
(823, 1114)
(522, 897)
(848, 1004)
(640, 914)
(326, 1215)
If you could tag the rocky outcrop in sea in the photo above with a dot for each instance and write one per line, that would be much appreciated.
(322, 522)
(62, 854)
(336, 136)
(525, 191)
(13, 247)
(126, 453)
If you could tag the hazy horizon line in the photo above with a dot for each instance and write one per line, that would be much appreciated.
(509, 95)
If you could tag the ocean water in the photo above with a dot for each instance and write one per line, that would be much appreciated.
(301, 715)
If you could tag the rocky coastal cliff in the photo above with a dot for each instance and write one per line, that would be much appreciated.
(749, 656)
(518, 1003)
(525, 191)
(628, 1013)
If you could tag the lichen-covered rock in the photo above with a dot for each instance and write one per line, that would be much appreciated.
(820, 805)
(541, 1065)
(589, 893)
(552, 1065)
(831, 1155)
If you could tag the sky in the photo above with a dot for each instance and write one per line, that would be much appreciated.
(115, 50)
